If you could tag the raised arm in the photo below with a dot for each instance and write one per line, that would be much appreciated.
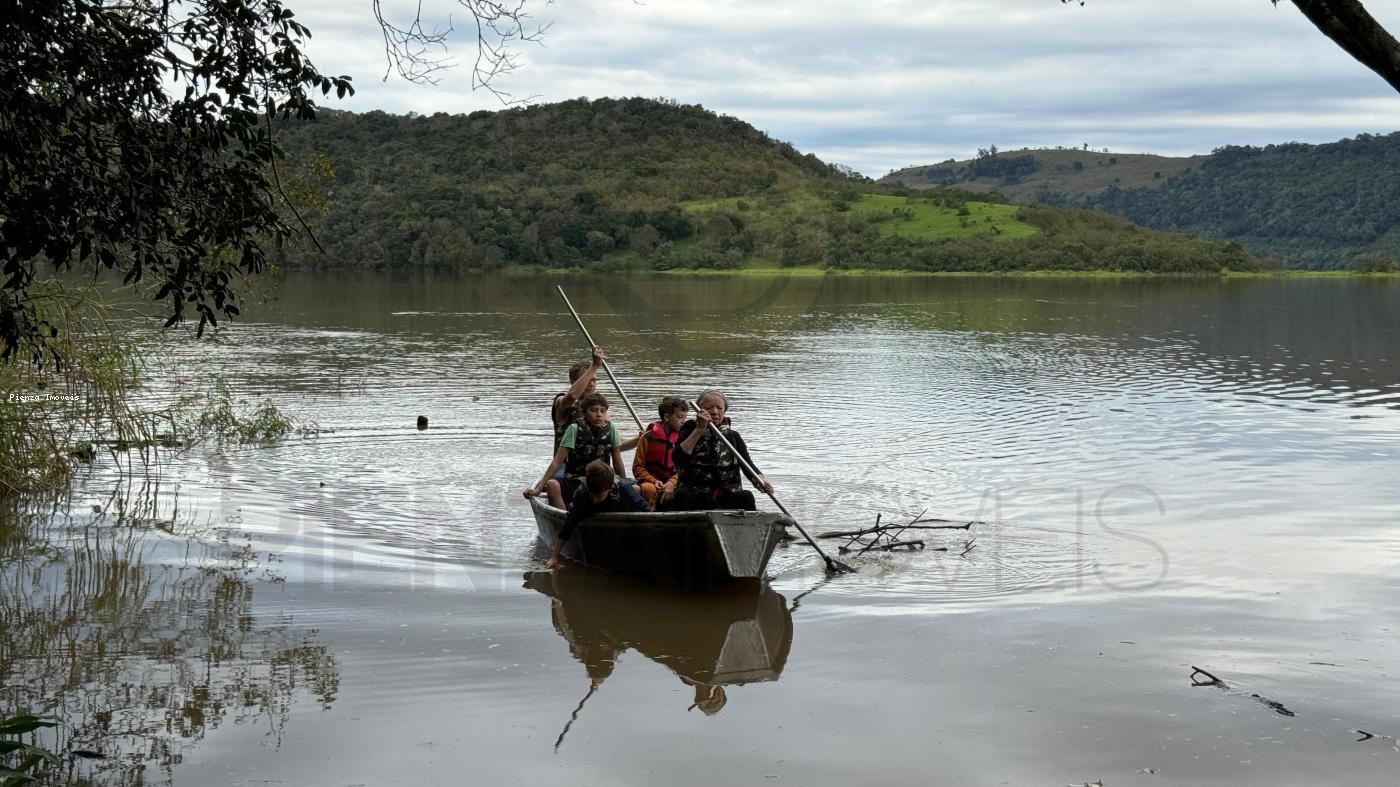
(580, 385)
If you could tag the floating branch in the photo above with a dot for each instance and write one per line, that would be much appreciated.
(891, 534)
(1273, 705)
(911, 526)
(1214, 681)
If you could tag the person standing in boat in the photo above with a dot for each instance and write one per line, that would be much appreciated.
(583, 380)
(654, 466)
(708, 473)
(600, 493)
(593, 438)
(566, 409)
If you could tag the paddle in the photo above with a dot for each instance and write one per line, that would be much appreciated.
(833, 566)
(591, 343)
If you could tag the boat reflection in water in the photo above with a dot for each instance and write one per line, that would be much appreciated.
(710, 640)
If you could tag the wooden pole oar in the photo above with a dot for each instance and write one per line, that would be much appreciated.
(832, 566)
(606, 368)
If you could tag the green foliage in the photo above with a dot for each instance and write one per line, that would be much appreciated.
(1369, 264)
(627, 184)
(529, 185)
(1315, 206)
(1065, 239)
(221, 418)
(53, 420)
(137, 137)
(51, 417)
(1009, 168)
(20, 761)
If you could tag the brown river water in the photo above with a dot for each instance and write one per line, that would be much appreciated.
(1165, 474)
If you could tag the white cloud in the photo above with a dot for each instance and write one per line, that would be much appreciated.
(888, 83)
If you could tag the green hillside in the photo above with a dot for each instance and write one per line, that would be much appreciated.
(643, 184)
(1316, 206)
(1027, 175)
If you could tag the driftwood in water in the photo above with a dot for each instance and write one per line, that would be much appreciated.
(912, 545)
(1273, 705)
(886, 537)
(911, 526)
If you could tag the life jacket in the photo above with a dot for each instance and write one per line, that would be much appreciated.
(589, 444)
(572, 416)
(712, 466)
(658, 459)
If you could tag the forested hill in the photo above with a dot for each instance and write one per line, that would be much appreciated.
(644, 184)
(1319, 206)
(529, 184)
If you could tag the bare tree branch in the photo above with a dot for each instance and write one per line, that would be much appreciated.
(417, 53)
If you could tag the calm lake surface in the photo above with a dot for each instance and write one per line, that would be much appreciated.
(1165, 474)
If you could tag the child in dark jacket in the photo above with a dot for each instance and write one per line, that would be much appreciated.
(599, 494)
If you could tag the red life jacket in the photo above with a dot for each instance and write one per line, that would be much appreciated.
(658, 459)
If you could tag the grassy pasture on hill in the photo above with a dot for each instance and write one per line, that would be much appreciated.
(919, 218)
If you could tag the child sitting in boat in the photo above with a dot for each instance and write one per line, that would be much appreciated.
(600, 493)
(708, 472)
(582, 442)
(652, 465)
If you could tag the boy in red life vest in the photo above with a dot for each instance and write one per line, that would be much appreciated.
(599, 494)
(653, 465)
(593, 438)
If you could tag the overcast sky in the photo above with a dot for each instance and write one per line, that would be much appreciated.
(883, 84)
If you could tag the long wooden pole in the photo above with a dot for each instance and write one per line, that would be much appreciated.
(833, 566)
(606, 368)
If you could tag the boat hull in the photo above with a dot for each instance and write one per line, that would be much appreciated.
(690, 548)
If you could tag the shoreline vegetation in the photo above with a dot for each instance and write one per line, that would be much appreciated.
(815, 271)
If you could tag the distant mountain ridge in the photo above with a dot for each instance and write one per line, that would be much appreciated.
(1314, 206)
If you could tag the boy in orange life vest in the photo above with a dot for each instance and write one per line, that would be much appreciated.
(599, 494)
(653, 465)
(593, 438)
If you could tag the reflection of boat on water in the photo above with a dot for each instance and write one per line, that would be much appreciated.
(691, 548)
(709, 640)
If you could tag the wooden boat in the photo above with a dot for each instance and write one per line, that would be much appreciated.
(688, 548)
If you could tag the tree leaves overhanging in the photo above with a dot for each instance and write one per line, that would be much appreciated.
(137, 137)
